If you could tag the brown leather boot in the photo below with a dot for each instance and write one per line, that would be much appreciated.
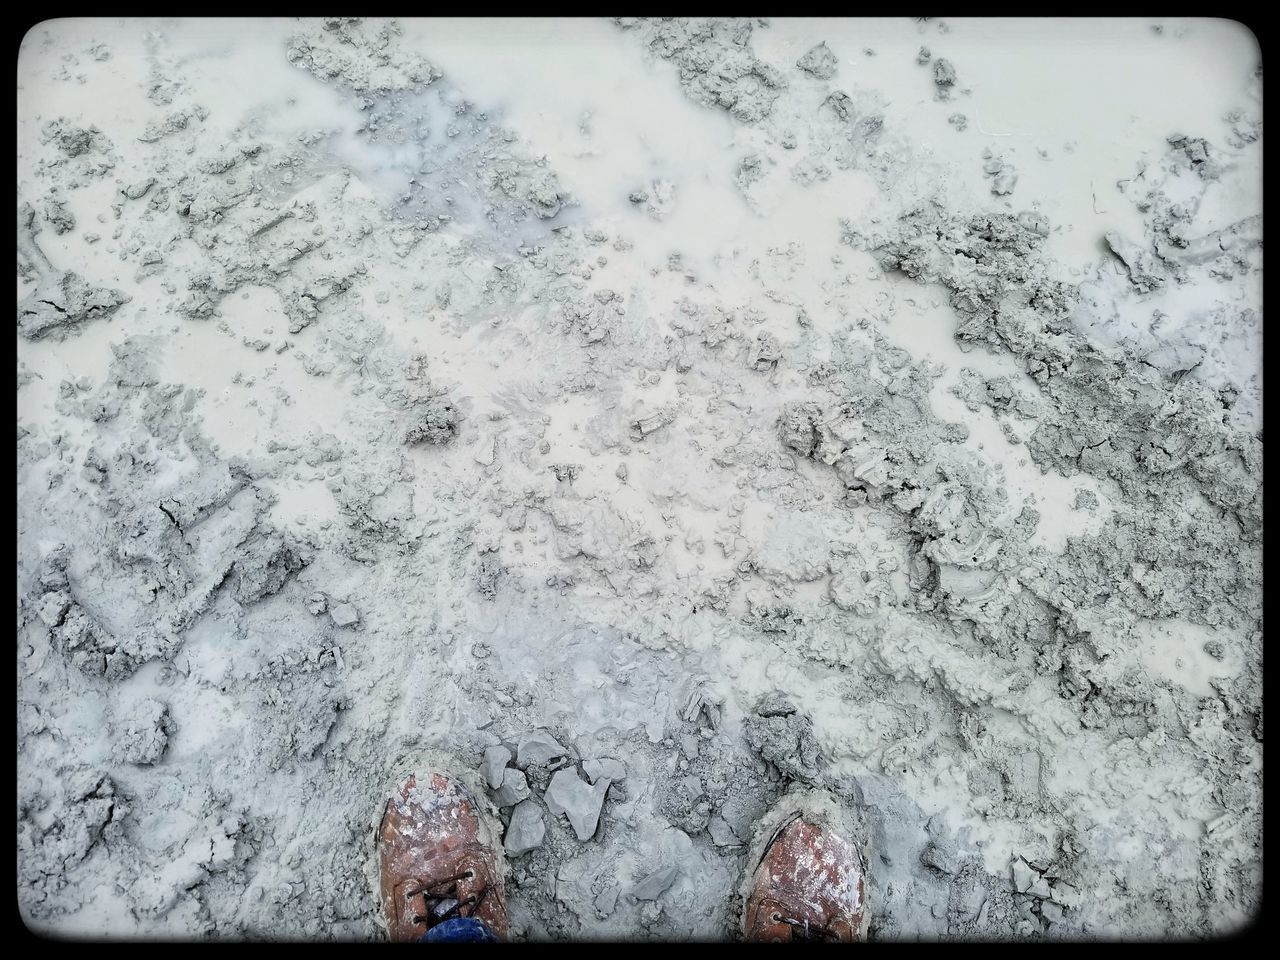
(810, 884)
(436, 859)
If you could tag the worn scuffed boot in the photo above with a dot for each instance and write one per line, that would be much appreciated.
(438, 860)
(806, 876)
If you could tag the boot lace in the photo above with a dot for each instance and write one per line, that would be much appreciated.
(803, 930)
(441, 899)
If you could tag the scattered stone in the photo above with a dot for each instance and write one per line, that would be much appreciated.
(138, 190)
(579, 801)
(538, 748)
(496, 759)
(526, 829)
(606, 900)
(514, 788)
(820, 61)
(344, 615)
(655, 884)
(1023, 875)
(1065, 894)
(645, 426)
(939, 855)
(604, 768)
(722, 834)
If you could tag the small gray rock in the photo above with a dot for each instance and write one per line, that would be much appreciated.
(607, 900)
(722, 834)
(579, 801)
(655, 884)
(496, 759)
(604, 768)
(1065, 894)
(1023, 876)
(344, 615)
(538, 747)
(135, 191)
(515, 788)
(820, 62)
(975, 901)
(526, 829)
(938, 856)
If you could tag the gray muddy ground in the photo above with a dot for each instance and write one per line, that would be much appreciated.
(657, 416)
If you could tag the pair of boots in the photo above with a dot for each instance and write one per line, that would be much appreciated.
(440, 869)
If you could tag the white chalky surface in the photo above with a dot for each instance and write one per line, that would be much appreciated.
(682, 405)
